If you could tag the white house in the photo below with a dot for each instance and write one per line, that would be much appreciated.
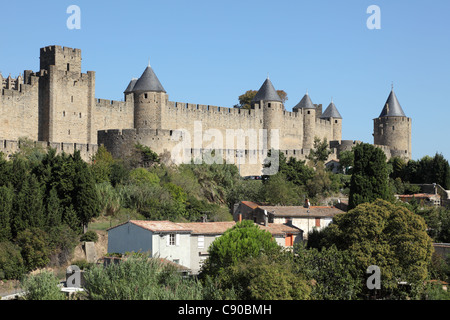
(305, 218)
(183, 243)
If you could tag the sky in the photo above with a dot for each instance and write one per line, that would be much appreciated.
(210, 52)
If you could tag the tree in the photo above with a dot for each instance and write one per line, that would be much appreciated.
(320, 152)
(11, 261)
(428, 170)
(28, 207)
(388, 236)
(265, 277)
(245, 99)
(370, 179)
(143, 176)
(346, 160)
(6, 203)
(85, 197)
(244, 240)
(279, 191)
(34, 248)
(102, 162)
(330, 270)
(295, 170)
(54, 210)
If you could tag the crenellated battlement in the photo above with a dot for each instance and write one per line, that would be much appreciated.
(9, 147)
(186, 107)
(111, 104)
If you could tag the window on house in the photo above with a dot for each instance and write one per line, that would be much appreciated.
(317, 222)
(177, 261)
(172, 239)
(201, 242)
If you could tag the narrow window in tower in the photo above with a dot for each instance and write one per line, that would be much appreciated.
(270, 105)
(393, 128)
(145, 96)
(68, 67)
(309, 112)
(79, 114)
(71, 99)
(64, 113)
(69, 132)
(335, 121)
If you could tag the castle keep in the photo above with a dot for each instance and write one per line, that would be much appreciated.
(57, 107)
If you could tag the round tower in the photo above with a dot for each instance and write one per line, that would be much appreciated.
(307, 108)
(149, 99)
(393, 128)
(332, 114)
(270, 102)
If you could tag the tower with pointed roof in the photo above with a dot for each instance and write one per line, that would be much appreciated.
(332, 114)
(149, 98)
(268, 100)
(392, 129)
(307, 108)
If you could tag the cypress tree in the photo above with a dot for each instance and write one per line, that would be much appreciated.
(85, 200)
(54, 212)
(6, 202)
(370, 176)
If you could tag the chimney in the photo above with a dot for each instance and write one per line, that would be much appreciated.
(307, 204)
(240, 217)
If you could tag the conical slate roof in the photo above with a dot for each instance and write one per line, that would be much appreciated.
(305, 103)
(148, 82)
(392, 107)
(267, 92)
(131, 85)
(331, 112)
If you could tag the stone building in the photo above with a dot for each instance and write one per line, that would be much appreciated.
(57, 107)
(392, 129)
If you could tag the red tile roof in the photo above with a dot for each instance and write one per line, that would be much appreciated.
(208, 227)
(300, 211)
(205, 227)
(250, 204)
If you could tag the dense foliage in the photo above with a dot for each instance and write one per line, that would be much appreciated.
(140, 278)
(386, 235)
(370, 176)
(46, 200)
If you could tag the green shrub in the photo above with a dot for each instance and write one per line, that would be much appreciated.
(42, 286)
(11, 262)
(89, 236)
(138, 278)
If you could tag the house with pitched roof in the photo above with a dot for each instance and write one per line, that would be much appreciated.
(306, 217)
(184, 243)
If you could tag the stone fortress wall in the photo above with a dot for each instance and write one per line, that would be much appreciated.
(56, 106)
